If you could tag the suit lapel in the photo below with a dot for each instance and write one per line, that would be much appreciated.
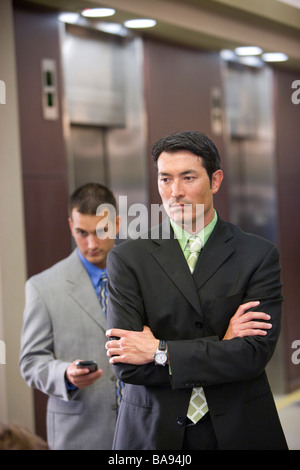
(218, 248)
(169, 255)
(82, 291)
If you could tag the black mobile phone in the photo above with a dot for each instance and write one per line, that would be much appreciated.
(91, 365)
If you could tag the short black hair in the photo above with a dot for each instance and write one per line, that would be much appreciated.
(195, 142)
(89, 196)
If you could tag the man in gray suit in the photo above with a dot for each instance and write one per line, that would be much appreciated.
(64, 323)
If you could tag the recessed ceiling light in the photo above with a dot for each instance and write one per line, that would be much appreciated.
(140, 23)
(68, 17)
(227, 54)
(248, 50)
(252, 61)
(293, 3)
(112, 28)
(98, 12)
(274, 57)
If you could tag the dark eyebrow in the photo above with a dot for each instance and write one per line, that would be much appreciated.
(186, 172)
(78, 229)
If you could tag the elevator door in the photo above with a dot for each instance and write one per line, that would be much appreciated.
(251, 158)
(251, 166)
(105, 116)
(90, 160)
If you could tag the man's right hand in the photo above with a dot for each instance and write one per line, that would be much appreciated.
(245, 323)
(82, 378)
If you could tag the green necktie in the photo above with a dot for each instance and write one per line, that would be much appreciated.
(198, 405)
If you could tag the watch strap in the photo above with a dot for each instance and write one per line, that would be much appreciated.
(162, 345)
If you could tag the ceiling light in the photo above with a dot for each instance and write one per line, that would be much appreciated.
(112, 28)
(252, 61)
(140, 23)
(248, 50)
(293, 3)
(274, 57)
(68, 17)
(97, 12)
(227, 54)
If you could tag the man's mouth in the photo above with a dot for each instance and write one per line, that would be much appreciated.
(93, 253)
(180, 205)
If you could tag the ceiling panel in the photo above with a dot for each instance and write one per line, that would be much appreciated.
(208, 24)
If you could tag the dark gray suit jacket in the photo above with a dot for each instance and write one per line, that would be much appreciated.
(150, 284)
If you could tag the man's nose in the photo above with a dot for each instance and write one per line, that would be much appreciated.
(92, 241)
(177, 189)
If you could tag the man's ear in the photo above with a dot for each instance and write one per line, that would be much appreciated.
(216, 181)
(70, 224)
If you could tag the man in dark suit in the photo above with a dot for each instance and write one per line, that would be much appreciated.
(194, 340)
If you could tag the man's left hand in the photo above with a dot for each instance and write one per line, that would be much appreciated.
(132, 347)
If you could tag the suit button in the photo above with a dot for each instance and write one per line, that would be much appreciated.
(181, 420)
(199, 324)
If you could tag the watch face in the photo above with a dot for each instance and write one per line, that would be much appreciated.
(161, 358)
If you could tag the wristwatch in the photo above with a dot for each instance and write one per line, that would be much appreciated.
(161, 356)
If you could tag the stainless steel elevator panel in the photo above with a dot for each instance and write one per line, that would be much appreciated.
(88, 152)
(94, 77)
(251, 165)
(126, 146)
(105, 115)
(250, 149)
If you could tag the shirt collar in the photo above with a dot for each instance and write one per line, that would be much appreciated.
(93, 271)
(183, 236)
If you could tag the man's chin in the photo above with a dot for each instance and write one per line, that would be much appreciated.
(95, 259)
(188, 224)
(184, 222)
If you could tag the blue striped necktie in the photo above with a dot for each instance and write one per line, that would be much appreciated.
(103, 292)
(103, 301)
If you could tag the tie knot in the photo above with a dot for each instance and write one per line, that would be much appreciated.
(103, 277)
(195, 244)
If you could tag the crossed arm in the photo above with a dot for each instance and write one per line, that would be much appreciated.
(138, 347)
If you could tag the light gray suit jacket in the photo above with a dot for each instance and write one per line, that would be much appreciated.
(63, 321)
